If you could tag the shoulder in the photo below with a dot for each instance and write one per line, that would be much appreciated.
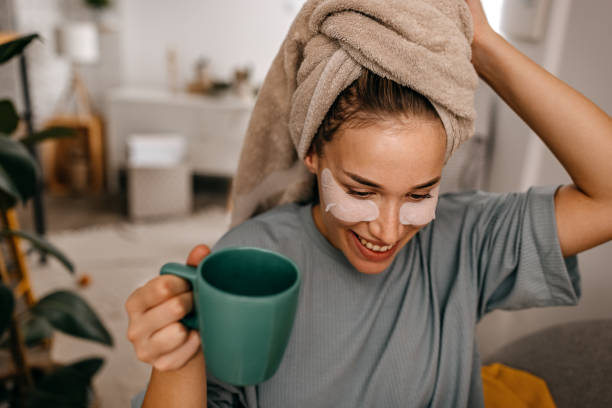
(483, 209)
(466, 199)
(452, 205)
(478, 200)
(266, 230)
(286, 214)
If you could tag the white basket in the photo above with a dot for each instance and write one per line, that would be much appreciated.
(156, 150)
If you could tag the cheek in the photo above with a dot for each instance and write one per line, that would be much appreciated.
(420, 213)
(341, 205)
(335, 224)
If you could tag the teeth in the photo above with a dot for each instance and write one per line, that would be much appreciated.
(375, 248)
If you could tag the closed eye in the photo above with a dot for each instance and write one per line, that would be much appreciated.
(360, 194)
(368, 194)
(419, 197)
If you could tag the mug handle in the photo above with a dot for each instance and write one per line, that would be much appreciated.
(189, 273)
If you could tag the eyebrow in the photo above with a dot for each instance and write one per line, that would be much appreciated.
(367, 182)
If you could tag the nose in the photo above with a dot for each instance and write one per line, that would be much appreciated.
(387, 227)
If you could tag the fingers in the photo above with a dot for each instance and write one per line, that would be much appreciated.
(154, 311)
(165, 340)
(163, 287)
(142, 328)
(168, 339)
(181, 355)
(198, 253)
(155, 292)
(157, 334)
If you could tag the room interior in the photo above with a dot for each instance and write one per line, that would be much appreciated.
(160, 98)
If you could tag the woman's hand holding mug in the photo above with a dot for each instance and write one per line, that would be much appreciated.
(154, 312)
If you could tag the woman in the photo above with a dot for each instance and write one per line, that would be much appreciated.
(391, 296)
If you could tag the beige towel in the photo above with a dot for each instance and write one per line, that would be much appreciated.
(423, 44)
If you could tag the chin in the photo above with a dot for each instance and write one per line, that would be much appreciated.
(369, 269)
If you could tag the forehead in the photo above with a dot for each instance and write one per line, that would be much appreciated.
(393, 154)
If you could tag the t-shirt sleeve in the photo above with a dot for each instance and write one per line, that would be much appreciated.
(223, 395)
(511, 245)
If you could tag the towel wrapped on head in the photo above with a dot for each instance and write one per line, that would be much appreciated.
(422, 44)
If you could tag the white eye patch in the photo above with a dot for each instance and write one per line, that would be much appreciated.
(342, 205)
(351, 209)
(420, 212)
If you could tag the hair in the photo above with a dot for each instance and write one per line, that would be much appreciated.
(369, 99)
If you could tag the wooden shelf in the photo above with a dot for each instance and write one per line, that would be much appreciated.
(56, 158)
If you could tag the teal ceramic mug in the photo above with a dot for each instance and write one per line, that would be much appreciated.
(245, 301)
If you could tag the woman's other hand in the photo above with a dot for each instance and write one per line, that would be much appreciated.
(483, 33)
(154, 311)
(482, 28)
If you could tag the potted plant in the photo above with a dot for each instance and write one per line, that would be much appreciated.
(28, 377)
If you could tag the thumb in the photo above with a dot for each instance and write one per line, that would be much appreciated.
(198, 253)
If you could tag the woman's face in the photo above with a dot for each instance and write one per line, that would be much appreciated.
(394, 165)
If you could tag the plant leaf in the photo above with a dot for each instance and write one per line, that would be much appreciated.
(55, 132)
(7, 304)
(9, 119)
(36, 329)
(9, 195)
(20, 166)
(70, 314)
(43, 245)
(9, 49)
(66, 386)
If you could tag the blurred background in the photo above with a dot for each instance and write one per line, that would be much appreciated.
(160, 93)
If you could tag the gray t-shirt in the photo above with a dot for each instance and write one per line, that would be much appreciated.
(406, 337)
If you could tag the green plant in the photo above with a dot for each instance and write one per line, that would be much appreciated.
(26, 324)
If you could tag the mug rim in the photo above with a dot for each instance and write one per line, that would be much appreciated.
(261, 298)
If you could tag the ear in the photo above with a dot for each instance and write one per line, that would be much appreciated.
(312, 161)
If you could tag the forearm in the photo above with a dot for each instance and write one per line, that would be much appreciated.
(577, 132)
(185, 387)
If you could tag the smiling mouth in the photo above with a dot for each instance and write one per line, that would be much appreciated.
(373, 247)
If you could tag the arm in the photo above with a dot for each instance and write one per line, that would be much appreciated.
(178, 377)
(185, 387)
(577, 132)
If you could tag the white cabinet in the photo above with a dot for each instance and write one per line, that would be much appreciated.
(213, 126)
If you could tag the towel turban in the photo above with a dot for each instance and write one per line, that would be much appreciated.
(422, 44)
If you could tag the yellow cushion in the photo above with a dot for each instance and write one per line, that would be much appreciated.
(506, 387)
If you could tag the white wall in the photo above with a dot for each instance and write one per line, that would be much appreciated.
(231, 33)
(576, 49)
(136, 34)
(49, 72)
(9, 71)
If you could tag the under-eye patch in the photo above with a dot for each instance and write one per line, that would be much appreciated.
(342, 205)
(420, 212)
(351, 209)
